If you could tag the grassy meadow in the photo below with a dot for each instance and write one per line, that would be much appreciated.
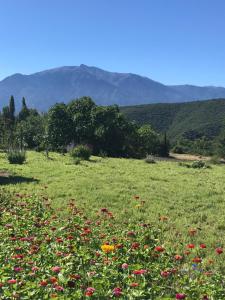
(190, 198)
(110, 228)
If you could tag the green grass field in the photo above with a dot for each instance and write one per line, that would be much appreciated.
(190, 198)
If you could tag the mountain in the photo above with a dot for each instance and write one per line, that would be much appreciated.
(45, 88)
(198, 118)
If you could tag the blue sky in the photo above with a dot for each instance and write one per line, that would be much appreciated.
(171, 41)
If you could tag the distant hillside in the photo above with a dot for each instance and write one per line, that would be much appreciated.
(193, 118)
(43, 89)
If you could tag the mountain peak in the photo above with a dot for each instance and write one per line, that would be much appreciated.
(45, 88)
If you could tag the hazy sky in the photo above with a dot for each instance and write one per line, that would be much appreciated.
(172, 41)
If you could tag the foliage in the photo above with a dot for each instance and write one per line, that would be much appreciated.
(164, 147)
(82, 152)
(80, 111)
(198, 164)
(178, 149)
(59, 127)
(25, 112)
(16, 157)
(194, 119)
(148, 140)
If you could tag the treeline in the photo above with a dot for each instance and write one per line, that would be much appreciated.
(104, 129)
(195, 127)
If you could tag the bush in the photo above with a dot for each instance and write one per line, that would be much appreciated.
(198, 164)
(82, 152)
(16, 157)
(150, 159)
(178, 149)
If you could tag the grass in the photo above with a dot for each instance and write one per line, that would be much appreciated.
(190, 198)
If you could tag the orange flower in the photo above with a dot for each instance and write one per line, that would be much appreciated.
(197, 260)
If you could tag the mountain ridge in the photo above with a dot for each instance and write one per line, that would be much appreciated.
(62, 84)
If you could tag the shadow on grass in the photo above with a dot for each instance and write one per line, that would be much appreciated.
(5, 180)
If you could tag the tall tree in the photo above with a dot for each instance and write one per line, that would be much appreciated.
(12, 110)
(80, 111)
(59, 127)
(24, 113)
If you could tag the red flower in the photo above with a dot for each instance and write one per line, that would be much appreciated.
(178, 257)
(180, 296)
(190, 246)
(159, 249)
(135, 245)
(53, 279)
(43, 283)
(202, 246)
(104, 210)
(219, 250)
(12, 281)
(197, 260)
(139, 272)
(89, 291)
(131, 233)
(134, 284)
(165, 273)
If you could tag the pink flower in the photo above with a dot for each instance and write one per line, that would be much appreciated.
(56, 269)
(125, 266)
(180, 296)
(18, 269)
(117, 292)
(59, 288)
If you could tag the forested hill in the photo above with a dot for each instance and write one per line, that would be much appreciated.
(192, 119)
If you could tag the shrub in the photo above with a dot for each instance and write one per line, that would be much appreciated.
(16, 157)
(198, 164)
(150, 159)
(178, 149)
(82, 152)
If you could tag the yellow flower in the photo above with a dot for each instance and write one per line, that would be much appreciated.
(108, 248)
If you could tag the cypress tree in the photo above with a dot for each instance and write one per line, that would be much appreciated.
(12, 110)
(24, 113)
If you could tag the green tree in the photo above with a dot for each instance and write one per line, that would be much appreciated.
(148, 140)
(164, 147)
(25, 112)
(111, 131)
(12, 110)
(59, 127)
(30, 131)
(80, 111)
